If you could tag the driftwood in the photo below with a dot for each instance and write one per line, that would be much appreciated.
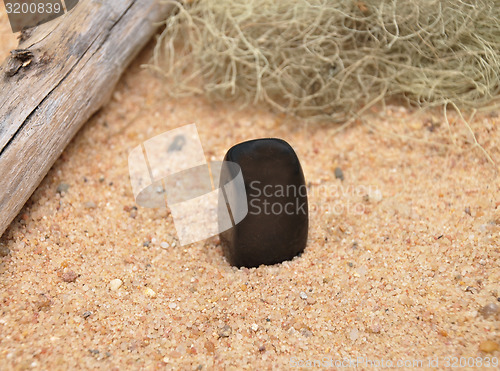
(62, 72)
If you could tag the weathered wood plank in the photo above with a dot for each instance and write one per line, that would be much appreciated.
(62, 73)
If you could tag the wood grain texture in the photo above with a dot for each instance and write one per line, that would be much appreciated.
(60, 75)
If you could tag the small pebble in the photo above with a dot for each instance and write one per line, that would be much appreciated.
(115, 284)
(149, 292)
(306, 332)
(311, 301)
(43, 302)
(86, 314)
(225, 331)
(172, 305)
(90, 205)
(69, 276)
(101, 178)
(164, 245)
(255, 327)
(209, 346)
(339, 174)
(376, 195)
(375, 328)
(303, 295)
(489, 346)
(133, 212)
(362, 271)
(4, 251)
(62, 187)
(471, 289)
(146, 243)
(406, 301)
(354, 334)
(491, 309)
(176, 354)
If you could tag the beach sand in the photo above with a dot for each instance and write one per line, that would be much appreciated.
(402, 258)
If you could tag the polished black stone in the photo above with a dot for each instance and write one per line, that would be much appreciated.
(276, 225)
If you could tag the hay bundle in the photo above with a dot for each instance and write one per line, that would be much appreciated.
(333, 59)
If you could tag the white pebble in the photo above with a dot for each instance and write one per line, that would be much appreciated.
(149, 292)
(362, 271)
(164, 245)
(255, 327)
(303, 295)
(115, 284)
(376, 195)
(172, 305)
(354, 334)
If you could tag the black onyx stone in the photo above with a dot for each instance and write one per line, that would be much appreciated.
(275, 226)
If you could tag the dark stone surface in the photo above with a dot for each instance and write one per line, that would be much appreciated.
(276, 226)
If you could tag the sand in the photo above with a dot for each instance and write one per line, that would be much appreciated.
(402, 257)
